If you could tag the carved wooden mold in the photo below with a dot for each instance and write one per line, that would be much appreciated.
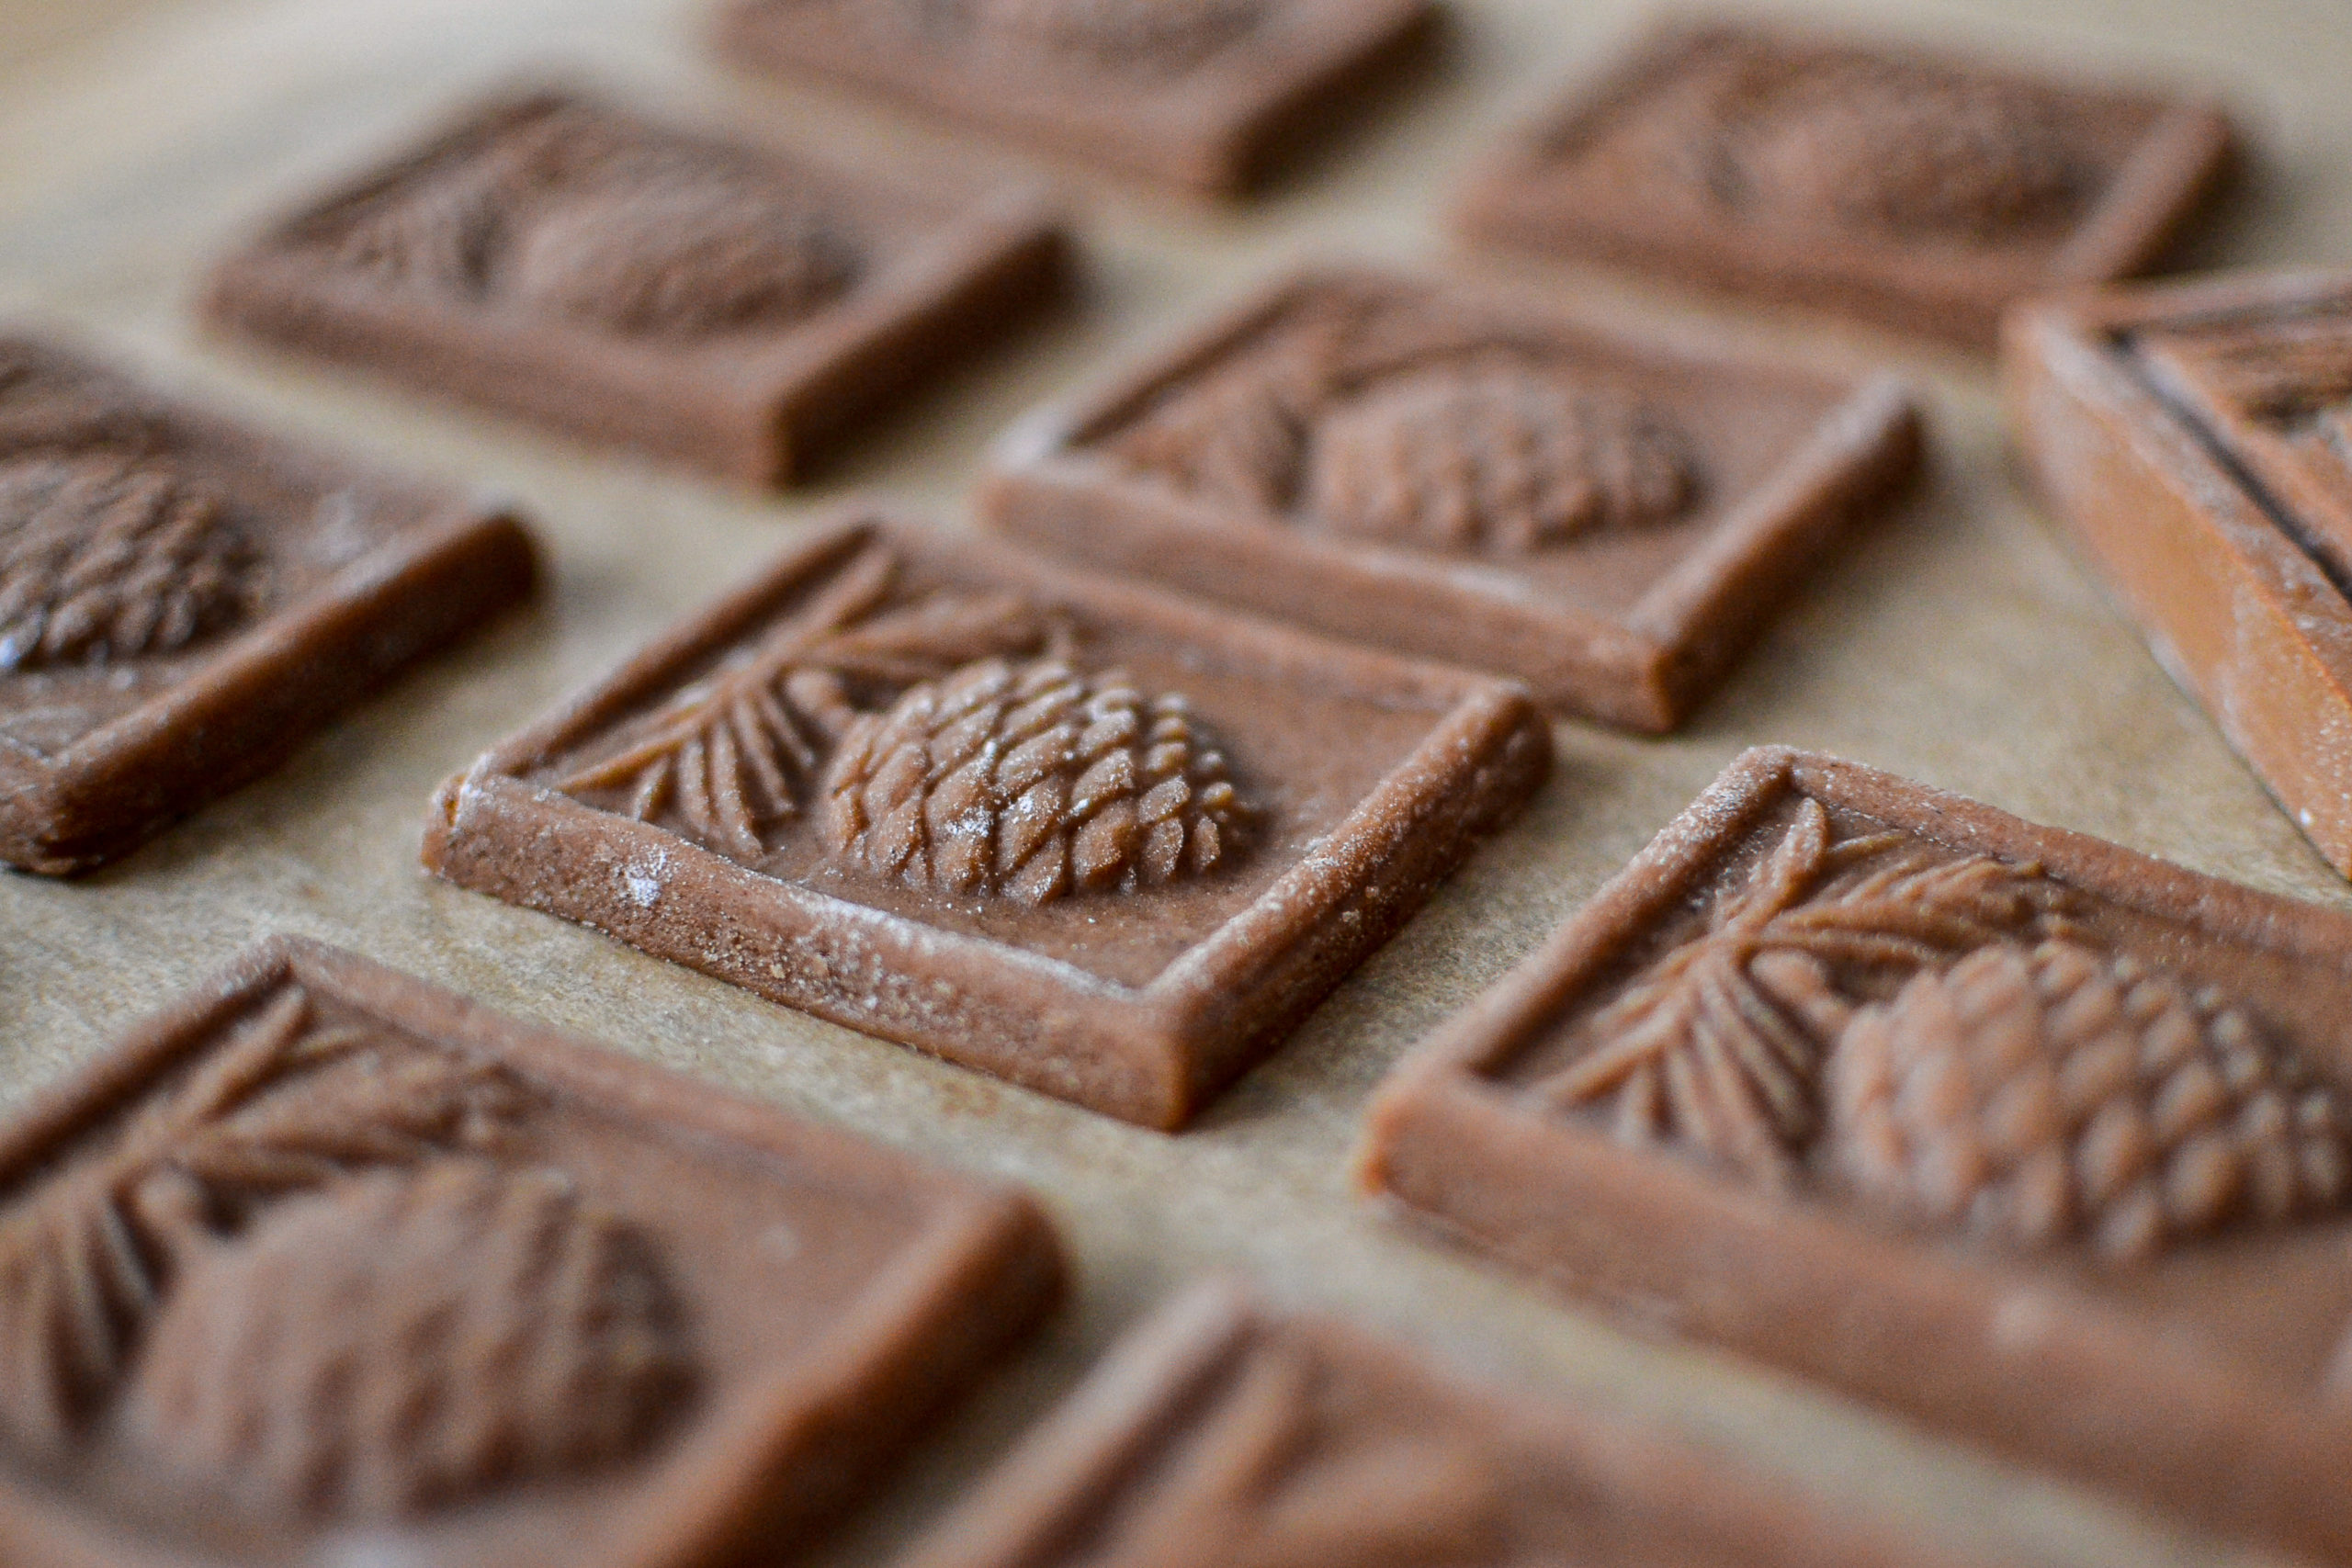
(1100, 841)
(1222, 1432)
(329, 1265)
(183, 601)
(1201, 94)
(1923, 191)
(1989, 1122)
(631, 285)
(1466, 475)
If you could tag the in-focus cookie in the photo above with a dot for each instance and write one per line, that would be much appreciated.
(1916, 189)
(328, 1264)
(2196, 439)
(633, 286)
(1462, 474)
(1101, 841)
(2040, 1140)
(1201, 94)
(184, 601)
(1223, 1435)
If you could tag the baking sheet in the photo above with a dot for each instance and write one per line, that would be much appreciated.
(1957, 642)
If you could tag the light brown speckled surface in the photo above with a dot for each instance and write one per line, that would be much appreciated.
(1957, 643)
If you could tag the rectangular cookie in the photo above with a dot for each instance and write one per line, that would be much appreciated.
(1206, 95)
(185, 600)
(698, 300)
(2029, 1136)
(2194, 438)
(1922, 191)
(1222, 1434)
(329, 1265)
(1466, 475)
(1098, 840)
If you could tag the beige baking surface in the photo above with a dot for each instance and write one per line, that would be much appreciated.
(1958, 643)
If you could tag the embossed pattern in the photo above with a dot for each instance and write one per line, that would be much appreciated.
(401, 1341)
(1032, 781)
(619, 229)
(288, 1107)
(104, 559)
(1899, 149)
(2034, 1095)
(2013, 1080)
(1387, 418)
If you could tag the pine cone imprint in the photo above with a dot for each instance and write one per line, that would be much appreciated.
(440, 237)
(398, 1342)
(102, 559)
(1503, 459)
(1239, 441)
(1903, 152)
(1031, 782)
(639, 256)
(2032, 1096)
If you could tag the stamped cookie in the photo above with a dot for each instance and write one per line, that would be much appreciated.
(1222, 1434)
(1459, 473)
(1098, 840)
(329, 1265)
(707, 302)
(2018, 1131)
(1923, 191)
(184, 601)
(2197, 439)
(1205, 94)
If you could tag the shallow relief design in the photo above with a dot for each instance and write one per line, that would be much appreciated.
(950, 740)
(107, 553)
(617, 229)
(1393, 420)
(311, 1280)
(1939, 1035)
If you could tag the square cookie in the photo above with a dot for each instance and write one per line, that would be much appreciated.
(1098, 840)
(2197, 439)
(327, 1265)
(1466, 475)
(1919, 190)
(702, 301)
(184, 601)
(1221, 1434)
(1205, 95)
(2039, 1140)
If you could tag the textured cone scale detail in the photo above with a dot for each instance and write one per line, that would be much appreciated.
(1501, 458)
(1901, 152)
(691, 259)
(405, 1340)
(104, 559)
(1032, 781)
(2030, 1096)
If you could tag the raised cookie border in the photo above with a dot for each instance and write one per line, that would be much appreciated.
(922, 1328)
(1216, 133)
(2253, 613)
(1998, 1352)
(2188, 152)
(1645, 671)
(261, 691)
(1155, 1053)
(757, 419)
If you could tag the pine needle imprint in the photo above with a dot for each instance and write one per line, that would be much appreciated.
(1396, 419)
(1259, 1486)
(1719, 1045)
(286, 1106)
(735, 756)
